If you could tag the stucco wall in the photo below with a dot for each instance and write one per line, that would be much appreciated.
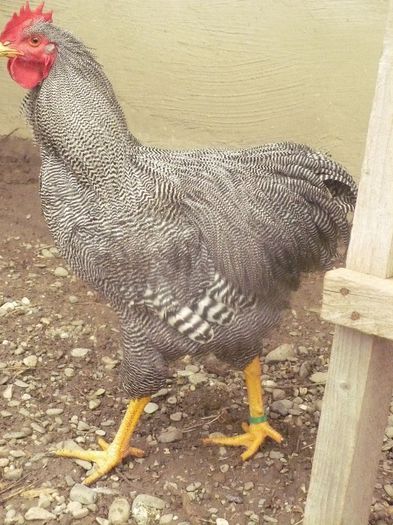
(233, 72)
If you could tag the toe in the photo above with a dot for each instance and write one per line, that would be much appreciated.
(102, 443)
(86, 455)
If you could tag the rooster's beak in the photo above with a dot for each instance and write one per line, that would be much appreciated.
(8, 52)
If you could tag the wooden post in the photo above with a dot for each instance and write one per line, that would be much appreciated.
(360, 378)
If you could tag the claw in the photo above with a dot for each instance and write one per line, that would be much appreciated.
(253, 437)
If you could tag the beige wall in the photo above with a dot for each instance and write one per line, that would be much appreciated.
(230, 72)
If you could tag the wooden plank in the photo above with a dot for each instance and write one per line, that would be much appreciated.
(350, 435)
(359, 301)
(360, 379)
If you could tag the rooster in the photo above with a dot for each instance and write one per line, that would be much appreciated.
(197, 251)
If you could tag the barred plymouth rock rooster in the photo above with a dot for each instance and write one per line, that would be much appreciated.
(197, 251)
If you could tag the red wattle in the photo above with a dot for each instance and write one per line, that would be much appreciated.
(27, 74)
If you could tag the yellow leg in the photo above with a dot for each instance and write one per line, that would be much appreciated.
(258, 428)
(112, 454)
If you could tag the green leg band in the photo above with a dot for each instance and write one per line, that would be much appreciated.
(258, 419)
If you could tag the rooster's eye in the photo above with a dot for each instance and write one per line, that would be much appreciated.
(35, 41)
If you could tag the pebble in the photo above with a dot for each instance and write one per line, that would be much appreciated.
(282, 407)
(150, 408)
(83, 494)
(54, 411)
(285, 352)
(76, 510)
(199, 377)
(18, 434)
(278, 394)
(170, 435)
(12, 474)
(8, 391)
(167, 519)
(176, 416)
(119, 511)
(47, 253)
(305, 369)
(249, 485)
(192, 487)
(319, 377)
(221, 521)
(73, 299)
(83, 426)
(39, 514)
(389, 432)
(275, 454)
(146, 509)
(94, 403)
(30, 361)
(80, 352)
(60, 272)
(389, 490)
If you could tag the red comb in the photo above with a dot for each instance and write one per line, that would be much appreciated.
(23, 19)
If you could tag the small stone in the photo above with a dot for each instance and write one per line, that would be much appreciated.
(102, 521)
(4, 462)
(389, 490)
(119, 511)
(76, 510)
(69, 372)
(25, 301)
(94, 403)
(30, 361)
(54, 411)
(319, 377)
(7, 394)
(83, 494)
(170, 435)
(37, 513)
(249, 485)
(80, 352)
(199, 377)
(278, 394)
(389, 432)
(282, 407)
(60, 272)
(44, 501)
(83, 426)
(150, 408)
(275, 454)
(47, 253)
(172, 400)
(12, 474)
(166, 519)
(224, 468)
(304, 370)
(146, 509)
(73, 299)
(177, 416)
(221, 521)
(285, 352)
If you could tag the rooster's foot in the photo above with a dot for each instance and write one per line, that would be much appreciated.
(252, 439)
(106, 459)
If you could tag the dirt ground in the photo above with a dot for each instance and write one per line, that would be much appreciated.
(47, 395)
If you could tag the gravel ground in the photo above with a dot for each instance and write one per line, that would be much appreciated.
(59, 357)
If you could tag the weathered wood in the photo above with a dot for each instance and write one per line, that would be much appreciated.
(360, 378)
(359, 301)
(350, 434)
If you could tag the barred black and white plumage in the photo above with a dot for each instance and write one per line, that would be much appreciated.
(197, 251)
